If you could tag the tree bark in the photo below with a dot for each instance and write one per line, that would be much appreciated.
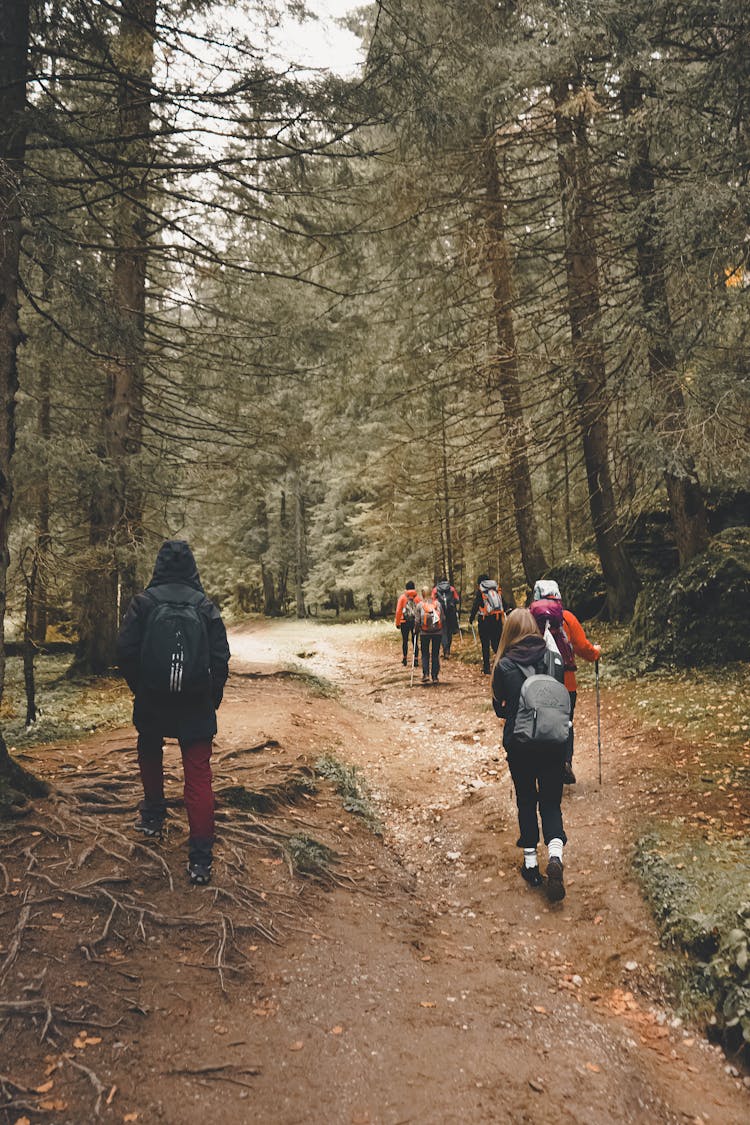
(505, 369)
(589, 369)
(686, 500)
(117, 510)
(14, 49)
(448, 571)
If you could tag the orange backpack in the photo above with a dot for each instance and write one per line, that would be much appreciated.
(430, 616)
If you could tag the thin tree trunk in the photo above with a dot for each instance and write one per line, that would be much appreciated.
(686, 501)
(505, 368)
(14, 48)
(29, 646)
(446, 496)
(38, 622)
(300, 560)
(589, 370)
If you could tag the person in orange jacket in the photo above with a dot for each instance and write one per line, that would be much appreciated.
(406, 620)
(571, 640)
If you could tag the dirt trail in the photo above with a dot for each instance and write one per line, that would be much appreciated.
(429, 983)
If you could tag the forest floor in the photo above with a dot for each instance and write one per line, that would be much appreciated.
(409, 976)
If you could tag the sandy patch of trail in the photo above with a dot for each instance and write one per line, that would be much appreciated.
(429, 984)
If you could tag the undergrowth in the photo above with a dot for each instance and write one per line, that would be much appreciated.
(351, 786)
(700, 894)
(308, 856)
(318, 685)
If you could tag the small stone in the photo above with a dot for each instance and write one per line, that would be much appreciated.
(453, 855)
(577, 981)
(537, 1084)
(631, 966)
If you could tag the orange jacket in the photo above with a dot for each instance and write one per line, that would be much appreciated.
(582, 646)
(412, 595)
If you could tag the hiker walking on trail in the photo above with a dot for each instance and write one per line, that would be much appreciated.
(490, 613)
(449, 600)
(571, 641)
(406, 620)
(430, 632)
(173, 652)
(535, 763)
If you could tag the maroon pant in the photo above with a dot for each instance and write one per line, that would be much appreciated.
(199, 796)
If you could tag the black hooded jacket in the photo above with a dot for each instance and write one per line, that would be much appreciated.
(507, 680)
(192, 719)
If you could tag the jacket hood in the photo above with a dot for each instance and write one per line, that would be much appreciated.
(176, 563)
(527, 651)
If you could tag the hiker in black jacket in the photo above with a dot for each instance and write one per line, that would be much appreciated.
(536, 768)
(172, 634)
(489, 619)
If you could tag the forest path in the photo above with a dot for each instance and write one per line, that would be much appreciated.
(423, 982)
(472, 998)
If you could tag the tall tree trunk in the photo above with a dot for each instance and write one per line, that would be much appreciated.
(589, 370)
(505, 368)
(300, 554)
(116, 512)
(14, 49)
(446, 496)
(686, 501)
(38, 620)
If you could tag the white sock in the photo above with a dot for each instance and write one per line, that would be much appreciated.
(529, 857)
(555, 849)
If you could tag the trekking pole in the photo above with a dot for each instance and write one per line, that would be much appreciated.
(415, 637)
(598, 721)
(474, 634)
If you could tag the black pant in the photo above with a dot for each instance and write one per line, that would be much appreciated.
(537, 773)
(490, 628)
(427, 640)
(407, 631)
(569, 753)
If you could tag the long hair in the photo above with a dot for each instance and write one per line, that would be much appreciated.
(519, 623)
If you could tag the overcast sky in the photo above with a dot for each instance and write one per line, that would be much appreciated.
(322, 43)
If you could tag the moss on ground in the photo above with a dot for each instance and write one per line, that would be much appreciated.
(699, 890)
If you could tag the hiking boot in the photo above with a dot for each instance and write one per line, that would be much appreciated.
(199, 874)
(434, 679)
(150, 826)
(404, 662)
(425, 678)
(532, 875)
(569, 778)
(555, 885)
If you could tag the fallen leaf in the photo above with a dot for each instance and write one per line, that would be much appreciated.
(22, 1121)
(80, 984)
(220, 1030)
(427, 1004)
(593, 1067)
(538, 1008)
(297, 1045)
(337, 1030)
(44, 1088)
(111, 1096)
(130, 1117)
(57, 1104)
(93, 1039)
(598, 920)
(427, 957)
(56, 915)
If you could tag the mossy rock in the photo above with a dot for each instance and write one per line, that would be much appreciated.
(582, 586)
(701, 616)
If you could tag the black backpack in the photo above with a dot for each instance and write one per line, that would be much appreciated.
(175, 653)
(444, 592)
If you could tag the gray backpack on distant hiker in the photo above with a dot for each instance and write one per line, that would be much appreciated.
(543, 713)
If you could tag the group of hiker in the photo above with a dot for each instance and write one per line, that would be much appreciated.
(173, 651)
(534, 691)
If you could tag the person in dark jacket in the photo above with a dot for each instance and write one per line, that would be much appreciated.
(536, 768)
(450, 601)
(187, 715)
(490, 621)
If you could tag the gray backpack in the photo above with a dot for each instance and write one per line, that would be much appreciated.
(543, 709)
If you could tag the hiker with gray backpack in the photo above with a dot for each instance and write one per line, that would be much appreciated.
(173, 651)
(529, 694)
(406, 620)
(489, 610)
